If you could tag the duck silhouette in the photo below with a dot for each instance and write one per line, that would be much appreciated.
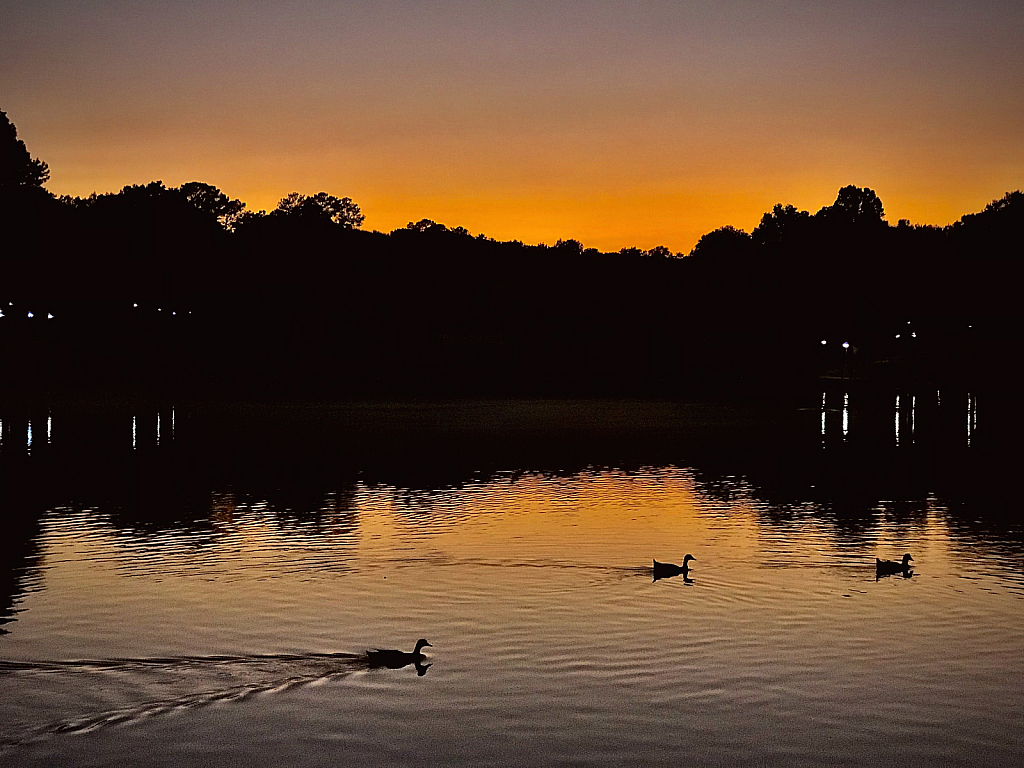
(393, 659)
(889, 567)
(666, 570)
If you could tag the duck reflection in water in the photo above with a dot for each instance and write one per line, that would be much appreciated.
(392, 659)
(890, 567)
(667, 570)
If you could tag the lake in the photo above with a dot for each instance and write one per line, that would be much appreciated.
(196, 583)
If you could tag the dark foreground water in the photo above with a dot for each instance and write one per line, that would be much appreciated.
(184, 584)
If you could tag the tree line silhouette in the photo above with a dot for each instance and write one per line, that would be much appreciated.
(157, 286)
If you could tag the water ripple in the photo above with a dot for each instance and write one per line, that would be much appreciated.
(137, 689)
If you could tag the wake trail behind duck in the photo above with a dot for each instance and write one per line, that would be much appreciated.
(41, 699)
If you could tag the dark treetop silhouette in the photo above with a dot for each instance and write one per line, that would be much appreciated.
(17, 167)
(163, 287)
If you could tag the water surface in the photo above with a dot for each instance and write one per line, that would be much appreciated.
(188, 584)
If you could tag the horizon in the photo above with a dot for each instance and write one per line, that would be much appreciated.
(617, 126)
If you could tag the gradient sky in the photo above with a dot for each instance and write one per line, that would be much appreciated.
(616, 123)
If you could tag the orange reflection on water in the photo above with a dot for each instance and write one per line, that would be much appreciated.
(600, 518)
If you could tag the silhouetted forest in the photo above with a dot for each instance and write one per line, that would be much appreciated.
(164, 288)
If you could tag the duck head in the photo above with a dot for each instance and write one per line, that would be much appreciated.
(907, 559)
(687, 559)
(420, 643)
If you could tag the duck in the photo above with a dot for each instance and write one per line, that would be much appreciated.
(889, 567)
(664, 570)
(393, 659)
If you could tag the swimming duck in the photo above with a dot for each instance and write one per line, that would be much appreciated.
(397, 659)
(664, 570)
(889, 567)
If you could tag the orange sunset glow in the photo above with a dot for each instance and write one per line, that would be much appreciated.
(617, 124)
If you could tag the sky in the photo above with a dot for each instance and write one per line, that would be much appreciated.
(618, 124)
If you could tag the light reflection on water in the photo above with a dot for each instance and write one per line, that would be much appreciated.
(157, 425)
(209, 621)
(972, 416)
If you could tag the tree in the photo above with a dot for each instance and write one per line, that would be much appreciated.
(854, 205)
(994, 232)
(211, 201)
(725, 241)
(141, 203)
(775, 226)
(426, 225)
(18, 169)
(574, 247)
(250, 219)
(321, 207)
(1007, 201)
(660, 252)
